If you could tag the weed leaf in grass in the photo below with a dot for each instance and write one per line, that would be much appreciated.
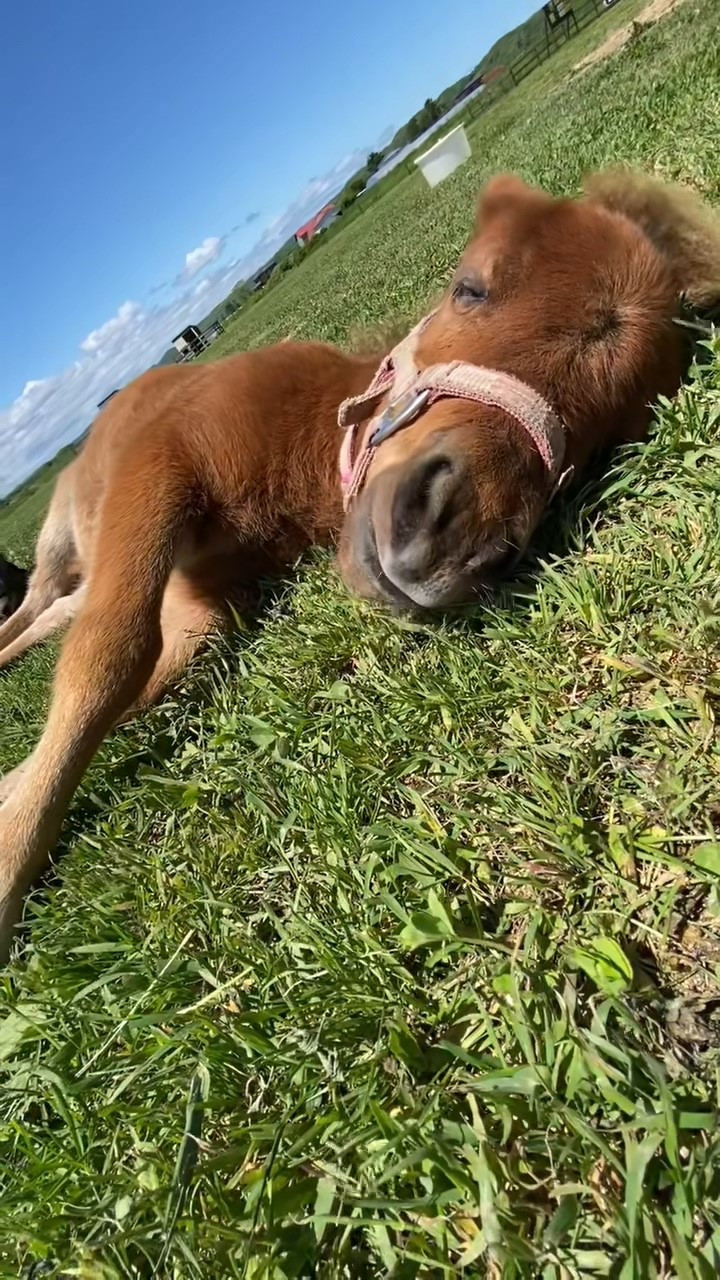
(605, 963)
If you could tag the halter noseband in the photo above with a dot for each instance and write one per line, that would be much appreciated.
(413, 390)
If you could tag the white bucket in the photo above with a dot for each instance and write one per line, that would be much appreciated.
(445, 156)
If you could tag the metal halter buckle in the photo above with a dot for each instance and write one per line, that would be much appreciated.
(399, 414)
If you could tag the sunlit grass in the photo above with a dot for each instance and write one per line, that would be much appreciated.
(391, 949)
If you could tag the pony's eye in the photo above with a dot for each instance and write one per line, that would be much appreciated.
(470, 291)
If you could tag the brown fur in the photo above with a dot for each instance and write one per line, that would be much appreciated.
(675, 219)
(194, 480)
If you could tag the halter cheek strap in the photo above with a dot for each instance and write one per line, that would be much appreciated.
(412, 390)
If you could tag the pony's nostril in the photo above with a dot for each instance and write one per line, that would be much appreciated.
(423, 502)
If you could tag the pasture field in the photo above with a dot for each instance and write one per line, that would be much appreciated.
(389, 949)
(22, 514)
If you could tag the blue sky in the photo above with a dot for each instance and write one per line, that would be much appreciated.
(152, 153)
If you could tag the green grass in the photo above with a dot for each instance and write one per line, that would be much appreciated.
(23, 512)
(390, 949)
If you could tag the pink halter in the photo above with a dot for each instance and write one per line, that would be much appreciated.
(414, 389)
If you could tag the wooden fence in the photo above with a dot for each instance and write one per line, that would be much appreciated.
(579, 15)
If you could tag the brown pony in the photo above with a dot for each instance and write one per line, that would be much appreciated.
(194, 480)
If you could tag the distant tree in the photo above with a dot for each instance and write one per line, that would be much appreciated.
(417, 124)
(351, 192)
(374, 161)
(426, 118)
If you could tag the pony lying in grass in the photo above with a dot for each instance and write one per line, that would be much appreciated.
(554, 337)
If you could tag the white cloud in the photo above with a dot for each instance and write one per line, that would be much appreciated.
(31, 385)
(51, 412)
(197, 259)
(108, 332)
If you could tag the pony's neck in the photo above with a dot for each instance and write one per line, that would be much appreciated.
(322, 437)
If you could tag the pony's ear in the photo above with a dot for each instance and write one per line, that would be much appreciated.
(682, 227)
(505, 194)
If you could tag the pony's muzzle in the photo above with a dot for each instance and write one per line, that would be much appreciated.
(414, 512)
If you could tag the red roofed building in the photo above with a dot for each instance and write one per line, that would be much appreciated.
(318, 222)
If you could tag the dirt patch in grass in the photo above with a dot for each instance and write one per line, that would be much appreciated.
(617, 40)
